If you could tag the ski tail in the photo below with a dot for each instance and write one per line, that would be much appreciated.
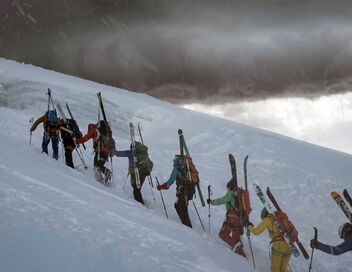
(341, 203)
(297, 241)
(233, 166)
(347, 197)
(245, 173)
(102, 106)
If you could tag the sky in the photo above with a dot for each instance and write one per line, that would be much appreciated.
(202, 53)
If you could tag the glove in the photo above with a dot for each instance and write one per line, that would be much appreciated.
(246, 222)
(313, 243)
(163, 186)
(208, 200)
(31, 130)
(77, 142)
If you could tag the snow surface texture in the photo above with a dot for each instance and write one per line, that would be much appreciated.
(54, 218)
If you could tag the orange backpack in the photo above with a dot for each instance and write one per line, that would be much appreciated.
(287, 225)
(188, 169)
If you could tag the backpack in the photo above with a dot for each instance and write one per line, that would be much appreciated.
(244, 200)
(52, 118)
(74, 127)
(105, 135)
(188, 169)
(287, 225)
(144, 164)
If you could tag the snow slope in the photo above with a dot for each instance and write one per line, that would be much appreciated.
(58, 219)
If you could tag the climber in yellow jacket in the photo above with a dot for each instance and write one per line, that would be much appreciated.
(280, 250)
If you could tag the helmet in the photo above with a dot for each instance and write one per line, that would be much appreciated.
(231, 184)
(264, 213)
(345, 230)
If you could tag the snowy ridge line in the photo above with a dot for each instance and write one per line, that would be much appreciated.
(36, 182)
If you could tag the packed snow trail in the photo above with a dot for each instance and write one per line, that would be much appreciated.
(49, 194)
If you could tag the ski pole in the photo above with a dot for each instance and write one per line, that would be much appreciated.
(123, 188)
(200, 220)
(30, 133)
(250, 246)
(81, 158)
(112, 168)
(162, 199)
(151, 189)
(311, 255)
(209, 194)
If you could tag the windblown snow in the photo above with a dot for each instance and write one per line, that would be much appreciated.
(54, 218)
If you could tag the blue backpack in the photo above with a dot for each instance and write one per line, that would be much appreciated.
(52, 116)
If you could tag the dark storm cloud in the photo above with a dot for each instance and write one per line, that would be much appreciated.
(188, 51)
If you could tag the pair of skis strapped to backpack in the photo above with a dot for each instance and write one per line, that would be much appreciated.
(342, 204)
(279, 224)
(135, 166)
(184, 156)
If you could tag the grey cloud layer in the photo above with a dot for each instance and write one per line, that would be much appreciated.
(188, 51)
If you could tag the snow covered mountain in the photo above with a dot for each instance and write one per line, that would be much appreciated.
(58, 219)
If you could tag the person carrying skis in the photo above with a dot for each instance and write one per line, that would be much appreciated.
(232, 228)
(345, 233)
(103, 144)
(184, 190)
(51, 124)
(280, 250)
(144, 165)
(69, 131)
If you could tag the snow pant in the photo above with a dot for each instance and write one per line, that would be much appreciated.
(181, 206)
(231, 232)
(100, 160)
(280, 256)
(137, 192)
(68, 156)
(54, 144)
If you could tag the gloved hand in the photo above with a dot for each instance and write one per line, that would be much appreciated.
(208, 200)
(31, 130)
(246, 222)
(163, 186)
(77, 142)
(313, 243)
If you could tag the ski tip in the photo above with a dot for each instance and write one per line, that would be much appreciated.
(345, 191)
(335, 194)
(246, 158)
(180, 132)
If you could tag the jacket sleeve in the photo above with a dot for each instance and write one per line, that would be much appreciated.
(260, 228)
(222, 200)
(37, 122)
(173, 176)
(124, 154)
(86, 137)
(334, 250)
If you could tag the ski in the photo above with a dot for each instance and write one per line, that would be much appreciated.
(101, 106)
(133, 141)
(183, 150)
(278, 208)
(245, 173)
(71, 115)
(150, 176)
(341, 203)
(347, 197)
(232, 161)
(270, 210)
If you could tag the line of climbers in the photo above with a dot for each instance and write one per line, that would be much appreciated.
(235, 220)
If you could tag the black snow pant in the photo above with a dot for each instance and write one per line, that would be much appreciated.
(181, 206)
(137, 192)
(68, 156)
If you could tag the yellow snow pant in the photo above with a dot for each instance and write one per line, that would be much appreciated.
(280, 256)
